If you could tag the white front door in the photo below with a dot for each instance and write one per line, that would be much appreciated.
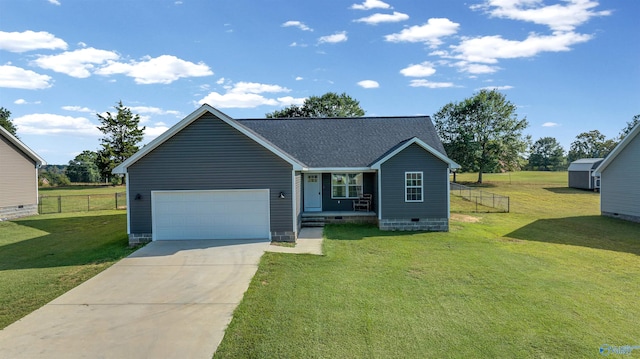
(313, 192)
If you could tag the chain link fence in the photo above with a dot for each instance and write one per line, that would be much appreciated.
(82, 203)
(483, 201)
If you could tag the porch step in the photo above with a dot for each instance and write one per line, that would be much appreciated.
(313, 221)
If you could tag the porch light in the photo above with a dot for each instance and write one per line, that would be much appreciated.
(281, 195)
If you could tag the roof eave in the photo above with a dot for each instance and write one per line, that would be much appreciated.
(24, 148)
(616, 151)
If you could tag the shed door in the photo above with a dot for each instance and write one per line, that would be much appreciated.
(224, 214)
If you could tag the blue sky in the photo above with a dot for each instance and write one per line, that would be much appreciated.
(571, 66)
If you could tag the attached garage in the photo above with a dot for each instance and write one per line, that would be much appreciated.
(210, 214)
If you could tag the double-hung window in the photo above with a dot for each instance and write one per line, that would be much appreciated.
(346, 185)
(413, 187)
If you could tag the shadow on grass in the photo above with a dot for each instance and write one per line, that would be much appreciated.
(68, 241)
(356, 232)
(586, 231)
(568, 190)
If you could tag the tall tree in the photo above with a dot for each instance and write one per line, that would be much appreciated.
(630, 126)
(592, 144)
(84, 168)
(5, 121)
(327, 105)
(546, 155)
(483, 133)
(121, 138)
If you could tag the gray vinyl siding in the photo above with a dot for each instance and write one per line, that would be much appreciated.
(18, 186)
(580, 179)
(210, 155)
(620, 182)
(330, 204)
(435, 181)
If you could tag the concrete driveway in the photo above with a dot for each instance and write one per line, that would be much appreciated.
(170, 299)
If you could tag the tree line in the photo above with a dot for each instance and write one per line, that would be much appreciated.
(482, 133)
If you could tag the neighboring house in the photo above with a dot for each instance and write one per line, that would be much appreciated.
(620, 179)
(581, 173)
(211, 176)
(18, 177)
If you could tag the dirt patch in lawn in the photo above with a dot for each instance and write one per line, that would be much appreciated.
(457, 217)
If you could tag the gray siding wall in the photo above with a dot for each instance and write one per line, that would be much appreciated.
(435, 182)
(620, 183)
(580, 179)
(18, 184)
(330, 204)
(209, 155)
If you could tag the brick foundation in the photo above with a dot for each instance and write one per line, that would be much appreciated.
(12, 212)
(622, 216)
(139, 238)
(285, 236)
(421, 224)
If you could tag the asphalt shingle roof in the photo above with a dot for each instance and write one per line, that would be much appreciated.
(343, 142)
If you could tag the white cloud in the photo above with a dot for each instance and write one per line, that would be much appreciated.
(151, 132)
(420, 70)
(558, 17)
(78, 63)
(471, 68)
(429, 84)
(54, 2)
(289, 100)
(249, 95)
(335, 38)
(299, 78)
(154, 111)
(52, 124)
(499, 88)
(429, 33)
(550, 124)
(30, 40)
(20, 101)
(369, 84)
(371, 4)
(164, 69)
(19, 78)
(488, 49)
(78, 109)
(298, 24)
(380, 18)
(220, 81)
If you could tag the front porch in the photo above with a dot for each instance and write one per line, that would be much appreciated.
(319, 219)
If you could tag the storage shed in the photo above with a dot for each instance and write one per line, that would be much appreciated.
(581, 173)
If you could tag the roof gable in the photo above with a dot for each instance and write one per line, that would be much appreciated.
(402, 146)
(22, 147)
(633, 135)
(122, 168)
(345, 142)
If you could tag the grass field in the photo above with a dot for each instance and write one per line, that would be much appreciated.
(42, 257)
(550, 279)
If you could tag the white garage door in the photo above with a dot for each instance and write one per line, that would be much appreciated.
(226, 214)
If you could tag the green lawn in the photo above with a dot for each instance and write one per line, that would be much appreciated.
(42, 257)
(81, 198)
(80, 190)
(550, 279)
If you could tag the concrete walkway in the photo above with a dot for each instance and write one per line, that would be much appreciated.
(309, 242)
(171, 299)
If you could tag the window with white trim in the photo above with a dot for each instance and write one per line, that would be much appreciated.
(346, 185)
(413, 189)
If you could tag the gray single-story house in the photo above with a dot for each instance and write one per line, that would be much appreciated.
(18, 177)
(213, 177)
(581, 173)
(620, 179)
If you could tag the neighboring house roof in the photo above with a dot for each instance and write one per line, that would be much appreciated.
(635, 132)
(26, 150)
(344, 142)
(323, 143)
(584, 164)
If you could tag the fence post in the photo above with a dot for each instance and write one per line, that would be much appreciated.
(116, 195)
(59, 204)
(88, 203)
